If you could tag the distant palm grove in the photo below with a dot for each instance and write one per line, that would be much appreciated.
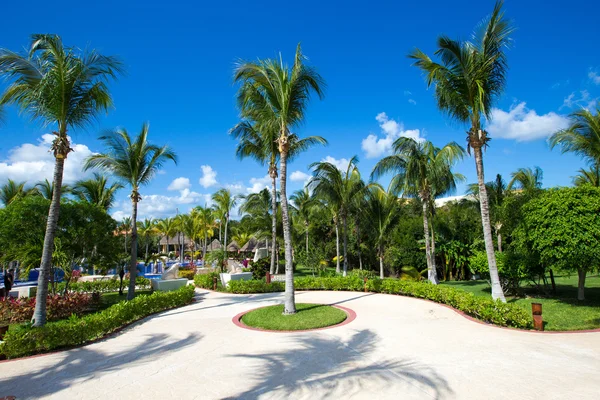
(388, 222)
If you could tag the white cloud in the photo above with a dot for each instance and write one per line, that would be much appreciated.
(523, 124)
(34, 162)
(411, 101)
(583, 100)
(594, 77)
(341, 164)
(375, 146)
(258, 184)
(180, 184)
(299, 176)
(209, 176)
(161, 206)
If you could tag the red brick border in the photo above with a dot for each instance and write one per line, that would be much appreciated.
(351, 316)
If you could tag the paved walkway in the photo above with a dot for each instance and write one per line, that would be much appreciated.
(397, 348)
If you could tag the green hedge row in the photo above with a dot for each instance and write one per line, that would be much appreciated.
(485, 309)
(105, 285)
(23, 340)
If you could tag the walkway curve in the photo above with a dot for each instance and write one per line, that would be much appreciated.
(397, 347)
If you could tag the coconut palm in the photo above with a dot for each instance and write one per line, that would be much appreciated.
(526, 179)
(62, 87)
(469, 78)
(589, 176)
(45, 189)
(147, 230)
(339, 189)
(124, 227)
(382, 214)
(303, 206)
(496, 191)
(424, 171)
(206, 218)
(97, 191)
(256, 209)
(167, 228)
(582, 137)
(257, 139)
(135, 162)
(279, 94)
(12, 191)
(225, 201)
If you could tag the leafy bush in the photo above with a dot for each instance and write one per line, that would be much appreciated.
(105, 285)
(187, 274)
(255, 286)
(260, 268)
(58, 307)
(363, 273)
(353, 283)
(23, 340)
(206, 281)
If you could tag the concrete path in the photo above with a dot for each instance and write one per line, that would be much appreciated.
(397, 348)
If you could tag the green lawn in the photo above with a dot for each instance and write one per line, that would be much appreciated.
(308, 316)
(561, 311)
(108, 299)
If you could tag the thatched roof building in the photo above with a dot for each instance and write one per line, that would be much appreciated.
(253, 244)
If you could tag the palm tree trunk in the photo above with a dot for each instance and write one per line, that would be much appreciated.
(147, 244)
(289, 300)
(359, 252)
(225, 237)
(39, 313)
(497, 292)
(273, 218)
(499, 238)
(306, 226)
(581, 284)
(337, 247)
(381, 262)
(433, 266)
(204, 249)
(345, 220)
(182, 248)
(431, 272)
(133, 264)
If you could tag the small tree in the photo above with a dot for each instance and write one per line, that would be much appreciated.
(563, 226)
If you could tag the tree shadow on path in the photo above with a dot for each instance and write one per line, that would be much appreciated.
(327, 367)
(83, 364)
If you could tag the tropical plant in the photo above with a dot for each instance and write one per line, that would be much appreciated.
(225, 201)
(167, 228)
(589, 176)
(527, 179)
(424, 171)
(97, 191)
(496, 191)
(303, 205)
(124, 228)
(582, 137)
(206, 219)
(135, 162)
(470, 77)
(59, 86)
(339, 189)
(12, 191)
(147, 230)
(45, 189)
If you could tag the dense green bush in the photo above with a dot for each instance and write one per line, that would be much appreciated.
(206, 281)
(353, 283)
(363, 273)
(187, 274)
(259, 268)
(20, 310)
(105, 285)
(23, 340)
(255, 286)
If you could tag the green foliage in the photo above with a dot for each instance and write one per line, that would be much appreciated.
(103, 286)
(254, 286)
(308, 316)
(20, 310)
(478, 262)
(187, 274)
(362, 273)
(23, 340)
(260, 268)
(206, 281)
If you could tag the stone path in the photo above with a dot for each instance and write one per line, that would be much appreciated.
(397, 348)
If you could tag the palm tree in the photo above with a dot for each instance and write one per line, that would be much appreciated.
(423, 171)
(496, 191)
(45, 189)
(382, 214)
(12, 191)
(279, 94)
(470, 77)
(62, 87)
(134, 162)
(124, 227)
(589, 176)
(225, 202)
(207, 222)
(168, 229)
(97, 191)
(303, 205)
(257, 214)
(527, 179)
(339, 189)
(181, 224)
(147, 229)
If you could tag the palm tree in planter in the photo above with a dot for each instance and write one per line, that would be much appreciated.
(382, 213)
(168, 229)
(135, 162)
(340, 190)
(303, 206)
(97, 191)
(279, 94)
(468, 79)
(225, 201)
(64, 88)
(423, 171)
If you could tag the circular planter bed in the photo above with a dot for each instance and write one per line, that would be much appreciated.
(308, 317)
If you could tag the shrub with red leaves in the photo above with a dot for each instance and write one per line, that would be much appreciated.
(58, 307)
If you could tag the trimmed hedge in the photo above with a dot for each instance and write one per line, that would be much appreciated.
(23, 340)
(485, 309)
(187, 274)
(205, 281)
(105, 285)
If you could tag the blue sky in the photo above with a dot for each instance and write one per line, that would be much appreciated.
(180, 58)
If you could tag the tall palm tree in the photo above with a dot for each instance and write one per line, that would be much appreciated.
(589, 176)
(225, 201)
(279, 94)
(97, 191)
(12, 191)
(382, 214)
(582, 137)
(257, 139)
(135, 162)
(147, 230)
(423, 171)
(339, 189)
(303, 206)
(470, 77)
(168, 229)
(527, 179)
(64, 88)
(257, 214)
(124, 227)
(181, 224)
(496, 191)
(45, 189)
(206, 218)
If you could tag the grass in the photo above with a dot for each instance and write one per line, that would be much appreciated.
(302, 271)
(308, 316)
(108, 299)
(561, 311)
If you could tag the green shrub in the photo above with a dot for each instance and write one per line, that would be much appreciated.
(255, 286)
(23, 340)
(363, 273)
(260, 268)
(105, 285)
(15, 311)
(187, 274)
(205, 281)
